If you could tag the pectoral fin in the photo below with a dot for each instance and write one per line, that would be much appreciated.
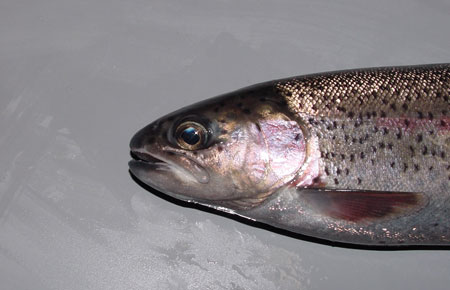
(359, 205)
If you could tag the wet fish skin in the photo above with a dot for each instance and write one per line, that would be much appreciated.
(357, 156)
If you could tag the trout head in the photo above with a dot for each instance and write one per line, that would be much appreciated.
(233, 150)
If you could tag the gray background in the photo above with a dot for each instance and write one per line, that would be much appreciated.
(79, 78)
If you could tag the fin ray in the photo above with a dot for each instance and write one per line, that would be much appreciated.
(359, 205)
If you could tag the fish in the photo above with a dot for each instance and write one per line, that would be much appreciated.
(358, 157)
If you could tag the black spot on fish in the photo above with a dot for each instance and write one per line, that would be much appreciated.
(431, 132)
(343, 156)
(390, 146)
(435, 224)
(347, 172)
(444, 112)
(359, 180)
(405, 107)
(374, 114)
(407, 122)
(430, 116)
(420, 114)
(346, 137)
(350, 114)
(385, 101)
(352, 157)
(419, 138)
(393, 107)
(336, 181)
(412, 150)
(383, 114)
(341, 109)
(374, 149)
(433, 152)
(372, 161)
(362, 155)
(405, 167)
(382, 145)
(399, 134)
(430, 168)
(327, 171)
(338, 171)
(219, 148)
(194, 153)
(392, 164)
(385, 131)
(416, 167)
(425, 150)
(353, 140)
(443, 124)
(375, 129)
(297, 137)
(443, 155)
(334, 124)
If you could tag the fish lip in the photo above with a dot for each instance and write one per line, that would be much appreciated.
(141, 156)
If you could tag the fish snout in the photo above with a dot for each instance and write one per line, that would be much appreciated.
(144, 137)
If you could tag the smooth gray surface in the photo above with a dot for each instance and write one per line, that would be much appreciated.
(78, 78)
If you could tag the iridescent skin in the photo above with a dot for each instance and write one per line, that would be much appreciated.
(300, 154)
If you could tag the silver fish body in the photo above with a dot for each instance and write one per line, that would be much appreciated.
(358, 156)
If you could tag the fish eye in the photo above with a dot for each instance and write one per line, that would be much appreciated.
(190, 135)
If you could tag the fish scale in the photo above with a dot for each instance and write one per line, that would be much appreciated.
(356, 156)
(356, 117)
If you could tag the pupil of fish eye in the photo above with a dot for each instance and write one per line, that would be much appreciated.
(190, 135)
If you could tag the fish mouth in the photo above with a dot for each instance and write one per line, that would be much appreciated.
(145, 160)
(148, 167)
(145, 157)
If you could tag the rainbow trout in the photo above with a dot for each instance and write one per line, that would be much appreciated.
(358, 156)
